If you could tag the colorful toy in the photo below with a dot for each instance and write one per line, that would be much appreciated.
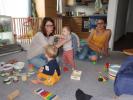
(93, 58)
(106, 68)
(18, 66)
(65, 69)
(15, 79)
(31, 67)
(46, 95)
(103, 76)
(13, 95)
(113, 69)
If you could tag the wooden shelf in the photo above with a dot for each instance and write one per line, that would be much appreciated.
(76, 26)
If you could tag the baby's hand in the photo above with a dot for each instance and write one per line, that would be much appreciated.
(41, 69)
(59, 36)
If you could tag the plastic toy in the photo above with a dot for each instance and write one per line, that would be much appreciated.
(46, 95)
(7, 81)
(93, 58)
(103, 76)
(13, 95)
(15, 79)
(18, 66)
(1, 66)
(65, 69)
(24, 77)
(31, 67)
(106, 67)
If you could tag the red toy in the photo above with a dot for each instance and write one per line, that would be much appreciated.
(107, 65)
(65, 69)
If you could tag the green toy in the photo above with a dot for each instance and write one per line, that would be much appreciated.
(103, 76)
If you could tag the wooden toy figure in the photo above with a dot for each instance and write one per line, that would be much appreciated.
(13, 95)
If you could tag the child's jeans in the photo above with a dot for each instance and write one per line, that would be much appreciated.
(38, 61)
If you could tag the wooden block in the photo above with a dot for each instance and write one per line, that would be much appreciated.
(13, 95)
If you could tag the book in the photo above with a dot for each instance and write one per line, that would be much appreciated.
(46, 95)
(76, 74)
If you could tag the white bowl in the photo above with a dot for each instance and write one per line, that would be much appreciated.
(7, 67)
(19, 65)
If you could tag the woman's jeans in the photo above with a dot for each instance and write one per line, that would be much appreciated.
(38, 61)
(85, 52)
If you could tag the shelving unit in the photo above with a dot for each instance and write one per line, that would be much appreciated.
(7, 42)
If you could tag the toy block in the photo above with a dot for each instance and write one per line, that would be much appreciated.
(13, 95)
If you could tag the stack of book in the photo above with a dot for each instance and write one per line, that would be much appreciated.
(76, 75)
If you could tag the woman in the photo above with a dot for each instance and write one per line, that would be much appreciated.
(39, 41)
(97, 41)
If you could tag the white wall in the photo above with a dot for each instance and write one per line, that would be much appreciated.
(111, 19)
(15, 8)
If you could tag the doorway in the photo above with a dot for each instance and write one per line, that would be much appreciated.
(123, 38)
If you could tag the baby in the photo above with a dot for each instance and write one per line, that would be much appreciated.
(50, 73)
(68, 47)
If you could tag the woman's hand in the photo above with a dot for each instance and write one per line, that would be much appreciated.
(41, 69)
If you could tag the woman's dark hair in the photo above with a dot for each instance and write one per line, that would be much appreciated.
(104, 19)
(42, 27)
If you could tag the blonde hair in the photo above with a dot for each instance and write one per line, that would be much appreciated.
(51, 51)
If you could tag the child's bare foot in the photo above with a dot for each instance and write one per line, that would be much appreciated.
(36, 81)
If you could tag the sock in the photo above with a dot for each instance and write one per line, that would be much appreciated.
(80, 95)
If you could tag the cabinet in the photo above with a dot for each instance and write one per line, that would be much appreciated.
(69, 2)
(46, 8)
(6, 36)
(7, 43)
(87, 1)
